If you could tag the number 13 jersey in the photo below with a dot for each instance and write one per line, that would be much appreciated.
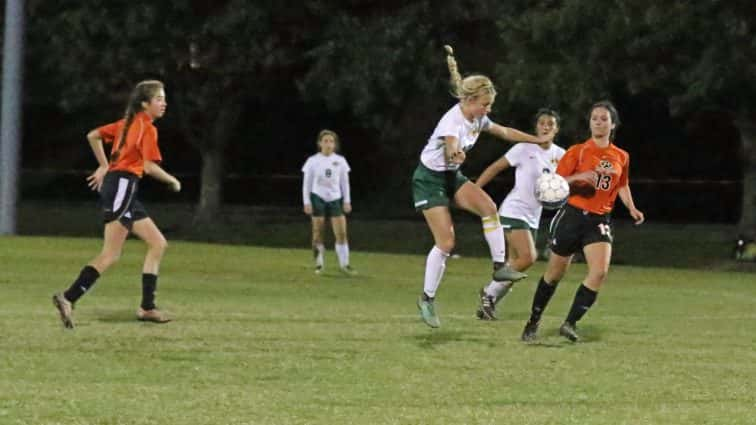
(612, 165)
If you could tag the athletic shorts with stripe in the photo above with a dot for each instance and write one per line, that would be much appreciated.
(572, 228)
(435, 188)
(509, 224)
(118, 198)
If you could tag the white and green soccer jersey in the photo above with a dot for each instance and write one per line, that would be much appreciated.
(453, 123)
(327, 177)
(530, 161)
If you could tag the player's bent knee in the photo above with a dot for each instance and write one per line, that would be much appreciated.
(446, 245)
(525, 262)
(598, 276)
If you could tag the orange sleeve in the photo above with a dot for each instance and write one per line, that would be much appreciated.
(149, 148)
(568, 164)
(108, 132)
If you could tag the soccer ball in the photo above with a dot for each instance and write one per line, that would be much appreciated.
(552, 190)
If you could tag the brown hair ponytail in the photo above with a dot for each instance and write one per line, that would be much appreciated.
(142, 92)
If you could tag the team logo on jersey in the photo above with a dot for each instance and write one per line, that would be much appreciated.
(605, 165)
(335, 163)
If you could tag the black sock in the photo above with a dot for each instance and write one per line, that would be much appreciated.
(541, 299)
(584, 299)
(87, 278)
(425, 297)
(149, 285)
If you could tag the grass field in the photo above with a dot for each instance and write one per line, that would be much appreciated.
(259, 339)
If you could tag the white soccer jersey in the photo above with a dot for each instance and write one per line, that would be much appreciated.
(453, 123)
(530, 161)
(327, 177)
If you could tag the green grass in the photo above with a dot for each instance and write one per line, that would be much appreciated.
(259, 339)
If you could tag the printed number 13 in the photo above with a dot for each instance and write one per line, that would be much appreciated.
(604, 182)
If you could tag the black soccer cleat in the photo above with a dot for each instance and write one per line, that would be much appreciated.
(487, 307)
(529, 333)
(569, 331)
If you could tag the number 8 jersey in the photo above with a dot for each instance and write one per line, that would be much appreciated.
(612, 165)
(326, 176)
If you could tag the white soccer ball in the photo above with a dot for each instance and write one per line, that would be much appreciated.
(552, 190)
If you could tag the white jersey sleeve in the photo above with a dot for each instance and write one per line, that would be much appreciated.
(514, 155)
(345, 189)
(485, 123)
(452, 124)
(307, 180)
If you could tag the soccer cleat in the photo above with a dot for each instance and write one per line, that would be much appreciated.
(65, 308)
(487, 307)
(318, 269)
(529, 333)
(348, 270)
(153, 315)
(428, 312)
(503, 273)
(568, 331)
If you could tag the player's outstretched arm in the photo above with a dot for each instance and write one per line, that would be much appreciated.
(514, 135)
(156, 172)
(492, 171)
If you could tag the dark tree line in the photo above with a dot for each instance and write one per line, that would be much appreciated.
(234, 68)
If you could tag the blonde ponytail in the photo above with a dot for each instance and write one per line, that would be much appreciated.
(456, 78)
(469, 87)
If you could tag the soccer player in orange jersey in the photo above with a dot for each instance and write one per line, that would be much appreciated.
(597, 171)
(134, 152)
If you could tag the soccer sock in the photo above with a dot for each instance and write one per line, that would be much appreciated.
(497, 290)
(434, 270)
(87, 278)
(318, 251)
(149, 285)
(541, 299)
(494, 235)
(342, 252)
(584, 299)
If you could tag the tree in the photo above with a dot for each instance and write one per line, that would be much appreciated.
(384, 64)
(213, 56)
(700, 55)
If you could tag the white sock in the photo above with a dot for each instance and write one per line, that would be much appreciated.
(496, 289)
(494, 235)
(319, 254)
(434, 270)
(342, 251)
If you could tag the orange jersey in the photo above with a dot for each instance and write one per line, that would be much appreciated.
(612, 165)
(141, 144)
